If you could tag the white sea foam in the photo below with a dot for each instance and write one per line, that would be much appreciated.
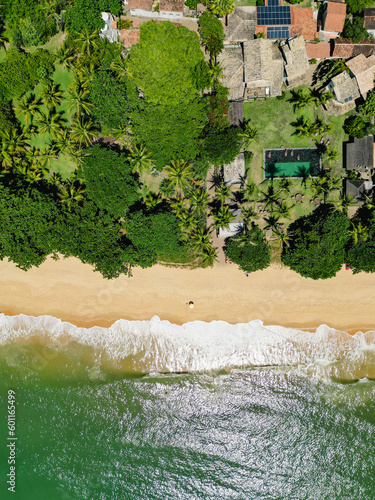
(160, 346)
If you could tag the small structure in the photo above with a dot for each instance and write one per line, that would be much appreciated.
(231, 60)
(240, 25)
(168, 9)
(236, 113)
(140, 7)
(345, 90)
(110, 30)
(363, 70)
(296, 61)
(234, 228)
(357, 188)
(171, 8)
(320, 50)
(369, 20)
(359, 154)
(129, 37)
(235, 172)
(332, 19)
(263, 69)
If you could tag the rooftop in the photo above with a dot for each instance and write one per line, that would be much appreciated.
(236, 113)
(335, 17)
(360, 153)
(303, 23)
(231, 59)
(355, 188)
(297, 62)
(171, 5)
(318, 50)
(235, 172)
(363, 68)
(345, 87)
(240, 25)
(345, 48)
(140, 4)
(129, 37)
(369, 19)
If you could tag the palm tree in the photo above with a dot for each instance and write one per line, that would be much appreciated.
(324, 185)
(152, 200)
(215, 72)
(223, 217)
(358, 232)
(324, 97)
(27, 107)
(283, 210)
(51, 95)
(270, 197)
(51, 122)
(249, 134)
(179, 174)
(13, 145)
(200, 240)
(78, 98)
(120, 67)
(301, 99)
(223, 193)
(344, 202)
(61, 140)
(70, 193)
(65, 56)
(285, 183)
(83, 131)
(221, 8)
(140, 158)
(303, 127)
(209, 256)
(199, 200)
(87, 41)
(248, 214)
(281, 236)
(272, 222)
(47, 155)
(331, 155)
(319, 127)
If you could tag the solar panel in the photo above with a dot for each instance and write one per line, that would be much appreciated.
(272, 16)
(278, 32)
(272, 2)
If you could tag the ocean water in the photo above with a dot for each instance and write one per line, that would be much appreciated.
(150, 410)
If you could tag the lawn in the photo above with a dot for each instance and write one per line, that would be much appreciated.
(273, 117)
(64, 165)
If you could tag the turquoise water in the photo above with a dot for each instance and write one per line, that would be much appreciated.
(87, 429)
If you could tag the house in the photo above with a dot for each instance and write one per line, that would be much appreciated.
(141, 8)
(263, 69)
(240, 25)
(332, 18)
(369, 20)
(231, 60)
(363, 70)
(296, 61)
(343, 48)
(234, 173)
(345, 91)
(357, 188)
(277, 21)
(234, 227)
(320, 50)
(171, 8)
(359, 154)
(110, 30)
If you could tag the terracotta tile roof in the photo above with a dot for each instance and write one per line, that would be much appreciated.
(171, 5)
(345, 49)
(335, 19)
(303, 23)
(114, 24)
(320, 50)
(140, 4)
(129, 37)
(369, 19)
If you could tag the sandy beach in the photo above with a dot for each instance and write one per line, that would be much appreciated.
(72, 291)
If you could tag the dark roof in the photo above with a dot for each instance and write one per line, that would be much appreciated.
(369, 19)
(344, 48)
(355, 188)
(360, 153)
(236, 113)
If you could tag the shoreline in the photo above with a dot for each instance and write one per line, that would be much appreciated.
(71, 291)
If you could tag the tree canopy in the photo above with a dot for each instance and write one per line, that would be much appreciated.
(167, 111)
(211, 32)
(248, 250)
(361, 246)
(317, 243)
(109, 180)
(356, 6)
(86, 14)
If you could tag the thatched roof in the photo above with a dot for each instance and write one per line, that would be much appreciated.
(263, 68)
(297, 61)
(363, 68)
(240, 25)
(360, 153)
(344, 87)
(235, 171)
(231, 60)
